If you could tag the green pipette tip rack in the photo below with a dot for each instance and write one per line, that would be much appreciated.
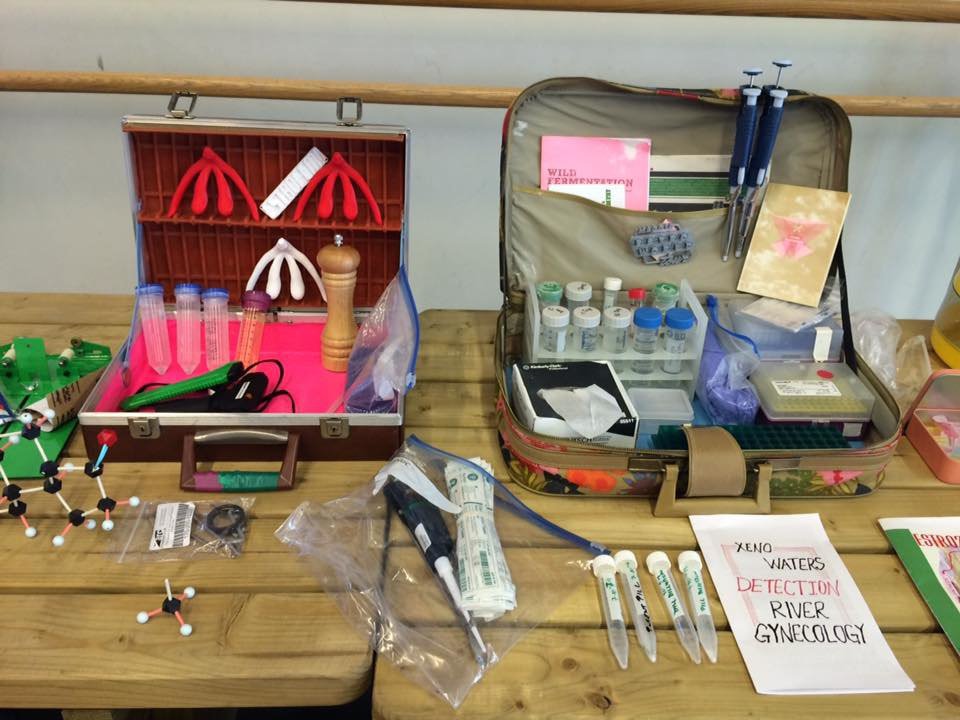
(762, 437)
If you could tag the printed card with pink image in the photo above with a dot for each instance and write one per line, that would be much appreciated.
(793, 243)
(613, 171)
(799, 619)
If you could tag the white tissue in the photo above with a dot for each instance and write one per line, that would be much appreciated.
(590, 411)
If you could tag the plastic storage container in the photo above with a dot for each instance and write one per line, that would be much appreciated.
(646, 331)
(549, 293)
(814, 392)
(578, 294)
(586, 328)
(611, 287)
(776, 343)
(679, 322)
(554, 322)
(660, 406)
(933, 425)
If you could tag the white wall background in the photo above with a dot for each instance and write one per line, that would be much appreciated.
(64, 217)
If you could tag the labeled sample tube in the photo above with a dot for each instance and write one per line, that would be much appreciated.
(692, 568)
(611, 286)
(659, 566)
(646, 329)
(586, 328)
(577, 294)
(679, 322)
(255, 305)
(605, 568)
(554, 321)
(188, 326)
(616, 327)
(637, 602)
(216, 327)
(153, 322)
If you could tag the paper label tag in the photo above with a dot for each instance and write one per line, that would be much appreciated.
(422, 537)
(806, 388)
(172, 525)
(295, 181)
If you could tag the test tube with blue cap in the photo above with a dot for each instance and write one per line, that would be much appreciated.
(659, 566)
(187, 296)
(216, 327)
(153, 323)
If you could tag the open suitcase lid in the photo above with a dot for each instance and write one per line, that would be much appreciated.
(217, 251)
(551, 236)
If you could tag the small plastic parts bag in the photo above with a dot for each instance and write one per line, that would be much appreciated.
(722, 386)
(876, 336)
(382, 363)
(182, 530)
(364, 555)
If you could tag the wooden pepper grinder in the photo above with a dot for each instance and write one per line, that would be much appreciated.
(338, 266)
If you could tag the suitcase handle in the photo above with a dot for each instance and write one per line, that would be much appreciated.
(239, 480)
(669, 505)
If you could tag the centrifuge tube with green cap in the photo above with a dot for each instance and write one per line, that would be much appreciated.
(692, 568)
(605, 569)
(637, 602)
(659, 566)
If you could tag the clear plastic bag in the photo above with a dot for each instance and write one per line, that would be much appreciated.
(361, 551)
(723, 387)
(876, 335)
(182, 530)
(382, 363)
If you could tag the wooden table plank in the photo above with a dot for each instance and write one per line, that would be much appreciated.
(571, 674)
(888, 590)
(87, 650)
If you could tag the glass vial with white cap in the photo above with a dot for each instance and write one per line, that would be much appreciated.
(611, 286)
(586, 328)
(554, 321)
(578, 294)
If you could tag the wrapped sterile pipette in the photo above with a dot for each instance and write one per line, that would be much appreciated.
(485, 583)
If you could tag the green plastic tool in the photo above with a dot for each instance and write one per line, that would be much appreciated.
(221, 376)
(762, 437)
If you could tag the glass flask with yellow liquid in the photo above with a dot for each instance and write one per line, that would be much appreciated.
(945, 336)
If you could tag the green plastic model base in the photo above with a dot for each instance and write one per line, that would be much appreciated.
(28, 374)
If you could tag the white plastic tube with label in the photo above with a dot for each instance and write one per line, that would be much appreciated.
(486, 587)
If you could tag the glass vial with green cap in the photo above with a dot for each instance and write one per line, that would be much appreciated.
(665, 296)
(549, 293)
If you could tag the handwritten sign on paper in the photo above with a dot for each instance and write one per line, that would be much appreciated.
(800, 621)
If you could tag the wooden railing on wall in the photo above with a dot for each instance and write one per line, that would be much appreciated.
(909, 10)
(387, 93)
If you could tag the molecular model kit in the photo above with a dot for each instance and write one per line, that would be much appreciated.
(11, 499)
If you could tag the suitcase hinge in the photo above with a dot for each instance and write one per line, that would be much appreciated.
(334, 428)
(144, 428)
(179, 113)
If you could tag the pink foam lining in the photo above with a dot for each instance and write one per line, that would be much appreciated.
(296, 345)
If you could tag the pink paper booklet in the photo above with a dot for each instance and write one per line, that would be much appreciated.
(613, 171)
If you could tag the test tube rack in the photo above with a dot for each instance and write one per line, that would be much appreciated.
(622, 362)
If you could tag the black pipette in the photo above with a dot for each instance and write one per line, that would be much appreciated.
(774, 98)
(742, 144)
(426, 525)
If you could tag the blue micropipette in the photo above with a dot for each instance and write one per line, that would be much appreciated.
(743, 143)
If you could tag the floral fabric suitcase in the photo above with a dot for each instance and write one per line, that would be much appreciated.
(546, 235)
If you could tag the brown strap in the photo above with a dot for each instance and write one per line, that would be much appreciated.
(715, 465)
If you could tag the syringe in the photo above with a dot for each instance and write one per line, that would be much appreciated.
(605, 569)
(659, 566)
(637, 602)
(691, 566)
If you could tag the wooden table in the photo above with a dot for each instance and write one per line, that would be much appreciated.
(266, 635)
(565, 669)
